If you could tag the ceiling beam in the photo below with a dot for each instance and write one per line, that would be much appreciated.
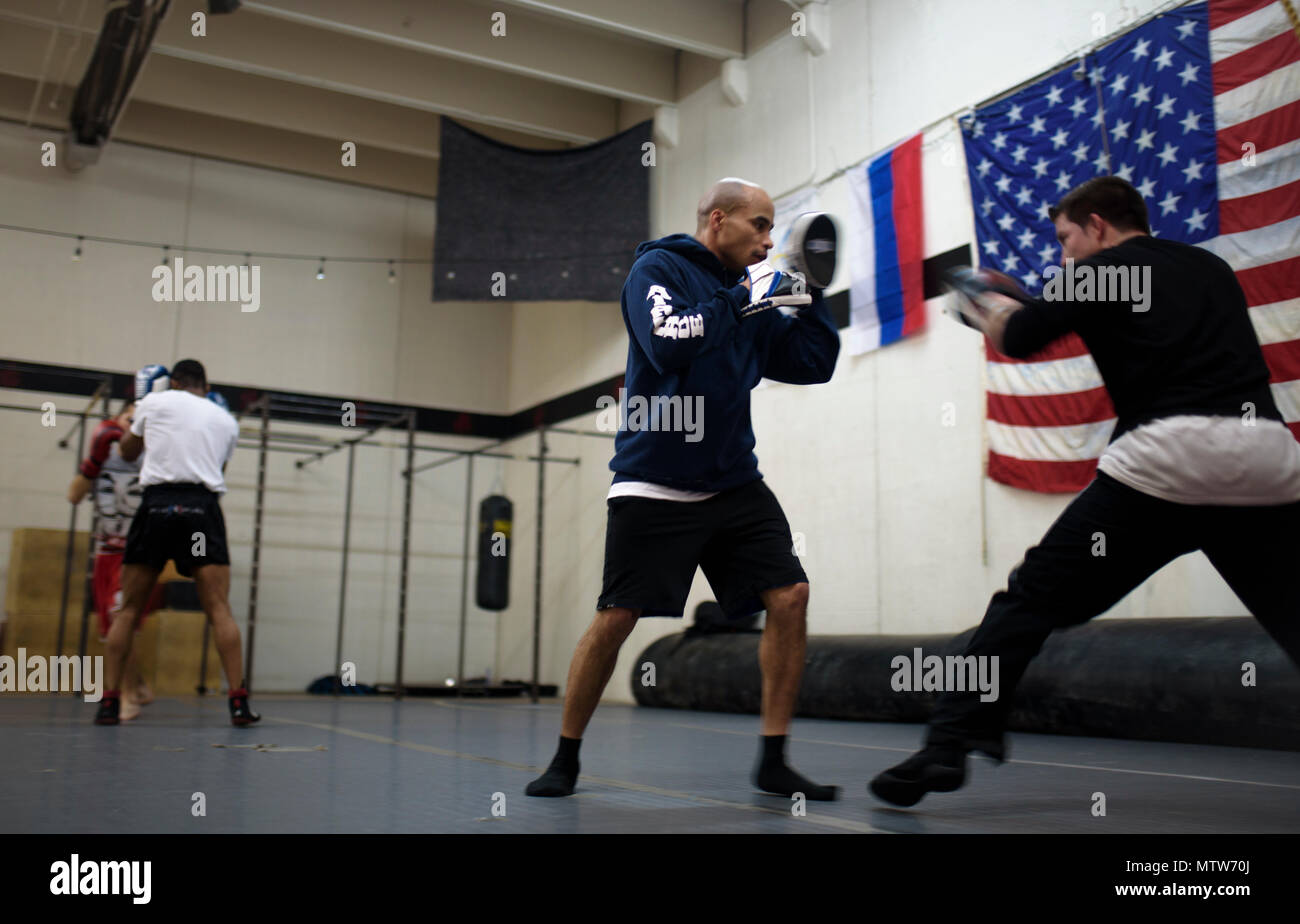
(283, 51)
(533, 46)
(714, 28)
(203, 135)
(278, 149)
(330, 115)
(334, 117)
(329, 60)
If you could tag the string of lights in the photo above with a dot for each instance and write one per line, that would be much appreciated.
(167, 249)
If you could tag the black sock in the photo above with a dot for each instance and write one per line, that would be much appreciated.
(774, 776)
(773, 748)
(562, 774)
(567, 752)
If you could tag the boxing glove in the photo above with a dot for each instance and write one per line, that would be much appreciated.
(219, 400)
(772, 288)
(147, 377)
(101, 444)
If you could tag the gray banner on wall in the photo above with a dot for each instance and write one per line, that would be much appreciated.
(523, 225)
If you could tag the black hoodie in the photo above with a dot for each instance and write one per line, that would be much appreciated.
(692, 361)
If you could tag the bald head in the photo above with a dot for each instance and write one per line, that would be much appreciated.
(728, 194)
(734, 220)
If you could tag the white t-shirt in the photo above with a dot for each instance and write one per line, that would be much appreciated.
(1218, 461)
(186, 439)
(655, 491)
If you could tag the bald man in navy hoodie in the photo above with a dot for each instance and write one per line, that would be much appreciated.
(687, 492)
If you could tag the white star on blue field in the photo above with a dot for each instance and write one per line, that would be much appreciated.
(1144, 111)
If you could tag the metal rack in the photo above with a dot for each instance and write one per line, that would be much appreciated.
(323, 411)
(327, 412)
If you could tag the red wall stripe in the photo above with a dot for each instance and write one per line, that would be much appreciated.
(1048, 477)
(1245, 213)
(1272, 282)
(1223, 12)
(1256, 61)
(909, 230)
(1283, 360)
(1066, 347)
(1275, 127)
(1076, 407)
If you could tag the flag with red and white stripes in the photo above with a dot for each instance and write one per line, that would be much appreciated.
(1199, 108)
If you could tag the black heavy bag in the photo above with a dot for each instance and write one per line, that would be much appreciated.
(495, 515)
(710, 619)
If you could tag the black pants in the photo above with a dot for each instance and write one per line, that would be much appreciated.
(1065, 580)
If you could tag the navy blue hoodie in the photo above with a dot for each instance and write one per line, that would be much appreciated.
(689, 349)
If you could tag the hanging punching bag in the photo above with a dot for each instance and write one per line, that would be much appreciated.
(495, 514)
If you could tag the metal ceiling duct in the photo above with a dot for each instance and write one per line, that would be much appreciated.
(120, 51)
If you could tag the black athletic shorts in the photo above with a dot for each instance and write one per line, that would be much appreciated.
(740, 538)
(180, 522)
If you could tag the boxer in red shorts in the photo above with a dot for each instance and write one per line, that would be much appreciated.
(114, 485)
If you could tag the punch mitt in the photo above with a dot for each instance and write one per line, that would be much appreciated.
(810, 248)
(972, 285)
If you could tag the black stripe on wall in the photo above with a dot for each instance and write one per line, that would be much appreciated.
(74, 380)
(931, 269)
(81, 381)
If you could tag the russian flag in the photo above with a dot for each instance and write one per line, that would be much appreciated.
(886, 296)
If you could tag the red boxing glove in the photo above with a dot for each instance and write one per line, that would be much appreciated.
(101, 443)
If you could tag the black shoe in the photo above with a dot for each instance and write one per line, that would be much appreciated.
(558, 780)
(107, 714)
(929, 770)
(240, 713)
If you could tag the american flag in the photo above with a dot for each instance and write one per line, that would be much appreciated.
(1198, 108)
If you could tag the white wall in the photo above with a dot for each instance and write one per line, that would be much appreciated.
(349, 334)
(352, 334)
(903, 532)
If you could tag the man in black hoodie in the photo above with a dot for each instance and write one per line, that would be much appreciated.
(1200, 458)
(687, 492)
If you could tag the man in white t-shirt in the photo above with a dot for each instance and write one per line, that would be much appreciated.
(190, 439)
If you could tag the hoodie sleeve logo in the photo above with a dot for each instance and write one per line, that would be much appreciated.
(670, 327)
